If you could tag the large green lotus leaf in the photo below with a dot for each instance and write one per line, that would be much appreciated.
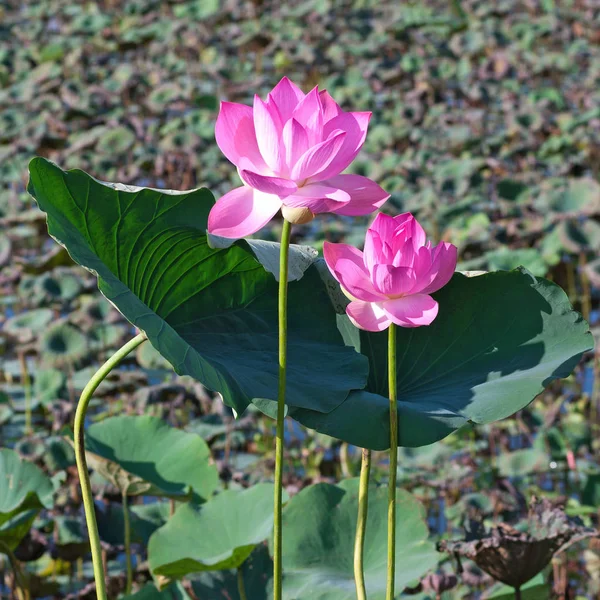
(143, 455)
(211, 312)
(318, 545)
(220, 534)
(24, 491)
(498, 340)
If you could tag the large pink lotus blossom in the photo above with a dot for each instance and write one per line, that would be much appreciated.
(290, 152)
(391, 281)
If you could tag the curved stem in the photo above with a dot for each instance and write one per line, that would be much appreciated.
(127, 539)
(240, 584)
(361, 525)
(282, 304)
(82, 469)
(391, 567)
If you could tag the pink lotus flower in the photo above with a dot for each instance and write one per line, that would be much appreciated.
(391, 281)
(290, 151)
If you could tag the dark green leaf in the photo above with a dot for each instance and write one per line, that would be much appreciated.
(211, 312)
(498, 340)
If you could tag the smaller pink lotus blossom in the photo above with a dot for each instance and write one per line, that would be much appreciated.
(391, 280)
(290, 151)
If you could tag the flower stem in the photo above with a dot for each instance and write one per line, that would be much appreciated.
(361, 525)
(127, 539)
(82, 469)
(391, 567)
(26, 383)
(277, 528)
(240, 584)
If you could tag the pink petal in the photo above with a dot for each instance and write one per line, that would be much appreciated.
(309, 113)
(365, 195)
(286, 95)
(295, 142)
(384, 226)
(235, 135)
(373, 249)
(322, 190)
(346, 265)
(355, 124)
(318, 197)
(241, 212)
(418, 234)
(443, 267)
(331, 108)
(368, 316)
(317, 158)
(269, 185)
(404, 255)
(269, 129)
(393, 281)
(411, 311)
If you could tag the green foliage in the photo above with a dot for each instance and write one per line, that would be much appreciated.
(143, 455)
(218, 535)
(497, 341)
(211, 312)
(318, 546)
(24, 491)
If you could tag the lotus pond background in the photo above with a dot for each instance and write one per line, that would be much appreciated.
(486, 124)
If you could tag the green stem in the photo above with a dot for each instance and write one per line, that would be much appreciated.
(127, 538)
(391, 567)
(26, 383)
(277, 527)
(82, 469)
(361, 525)
(240, 584)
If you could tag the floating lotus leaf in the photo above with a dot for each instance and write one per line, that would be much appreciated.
(318, 545)
(498, 340)
(47, 384)
(59, 455)
(105, 336)
(116, 141)
(24, 325)
(507, 259)
(520, 463)
(24, 491)
(218, 535)
(144, 456)
(62, 344)
(211, 312)
(514, 556)
(579, 236)
(580, 195)
(60, 286)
